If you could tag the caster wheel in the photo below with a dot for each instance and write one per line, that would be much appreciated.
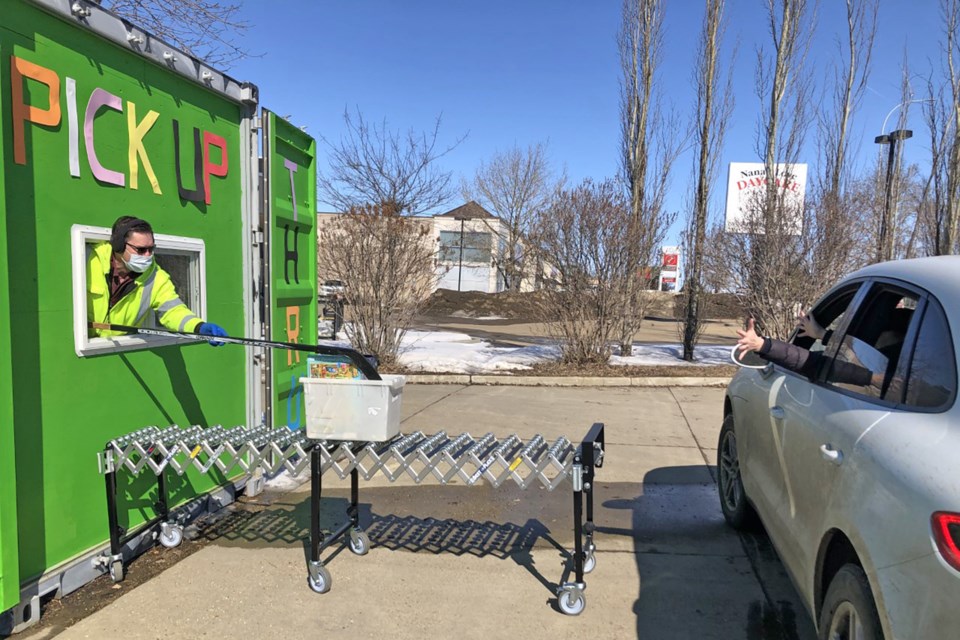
(116, 570)
(171, 536)
(589, 562)
(572, 601)
(320, 584)
(359, 542)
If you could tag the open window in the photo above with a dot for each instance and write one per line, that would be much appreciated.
(183, 258)
(829, 314)
(874, 342)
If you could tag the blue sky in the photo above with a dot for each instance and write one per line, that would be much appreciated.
(521, 72)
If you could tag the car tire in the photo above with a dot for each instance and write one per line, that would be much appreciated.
(848, 608)
(737, 510)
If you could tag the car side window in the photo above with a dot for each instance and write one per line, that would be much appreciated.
(868, 354)
(932, 380)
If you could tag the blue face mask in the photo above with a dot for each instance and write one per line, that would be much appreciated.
(138, 263)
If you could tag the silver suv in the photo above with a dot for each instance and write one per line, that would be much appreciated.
(858, 485)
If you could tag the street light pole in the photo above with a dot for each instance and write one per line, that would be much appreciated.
(460, 267)
(885, 239)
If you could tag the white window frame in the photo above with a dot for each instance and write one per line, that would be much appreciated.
(80, 237)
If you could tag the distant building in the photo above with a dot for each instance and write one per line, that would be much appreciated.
(469, 242)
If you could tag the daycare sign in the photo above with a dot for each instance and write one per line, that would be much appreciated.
(746, 185)
(42, 97)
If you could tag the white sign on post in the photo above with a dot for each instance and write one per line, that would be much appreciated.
(745, 189)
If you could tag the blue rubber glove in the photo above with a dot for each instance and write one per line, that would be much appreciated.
(215, 330)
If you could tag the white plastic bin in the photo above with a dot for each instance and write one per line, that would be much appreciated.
(346, 409)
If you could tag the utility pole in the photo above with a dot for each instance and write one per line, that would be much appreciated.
(460, 267)
(885, 239)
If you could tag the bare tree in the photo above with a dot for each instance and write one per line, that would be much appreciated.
(713, 109)
(933, 214)
(942, 118)
(388, 266)
(206, 29)
(516, 185)
(835, 247)
(580, 236)
(650, 145)
(374, 165)
(911, 239)
(950, 235)
(772, 251)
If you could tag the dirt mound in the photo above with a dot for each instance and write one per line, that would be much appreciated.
(724, 305)
(715, 306)
(477, 304)
(526, 305)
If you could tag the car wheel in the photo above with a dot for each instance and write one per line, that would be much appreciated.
(737, 510)
(848, 609)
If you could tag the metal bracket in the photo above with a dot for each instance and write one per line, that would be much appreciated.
(313, 567)
(598, 455)
(105, 462)
(578, 586)
(103, 561)
(577, 477)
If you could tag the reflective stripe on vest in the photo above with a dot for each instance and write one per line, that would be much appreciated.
(169, 305)
(183, 323)
(145, 296)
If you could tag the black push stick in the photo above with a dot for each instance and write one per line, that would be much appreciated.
(362, 364)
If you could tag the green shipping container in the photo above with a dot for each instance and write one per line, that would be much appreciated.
(99, 120)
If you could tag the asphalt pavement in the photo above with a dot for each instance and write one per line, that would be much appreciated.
(458, 561)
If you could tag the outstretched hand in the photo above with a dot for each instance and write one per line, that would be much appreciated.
(749, 340)
(808, 326)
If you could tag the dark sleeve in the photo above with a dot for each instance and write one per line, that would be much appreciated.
(790, 356)
(806, 362)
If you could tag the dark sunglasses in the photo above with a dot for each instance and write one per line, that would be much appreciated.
(143, 250)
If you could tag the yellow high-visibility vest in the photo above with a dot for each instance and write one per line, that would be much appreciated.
(153, 291)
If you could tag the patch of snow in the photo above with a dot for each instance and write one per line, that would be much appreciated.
(672, 354)
(457, 352)
(283, 481)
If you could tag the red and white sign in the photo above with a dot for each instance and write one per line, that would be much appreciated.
(745, 190)
(669, 269)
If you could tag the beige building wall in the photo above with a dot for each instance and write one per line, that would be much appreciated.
(478, 275)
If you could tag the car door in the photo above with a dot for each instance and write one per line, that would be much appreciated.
(762, 440)
(822, 421)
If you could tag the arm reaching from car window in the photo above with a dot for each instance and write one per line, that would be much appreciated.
(802, 361)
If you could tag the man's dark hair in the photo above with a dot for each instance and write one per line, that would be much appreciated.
(123, 227)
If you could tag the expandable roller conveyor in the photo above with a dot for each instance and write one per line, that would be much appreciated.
(445, 458)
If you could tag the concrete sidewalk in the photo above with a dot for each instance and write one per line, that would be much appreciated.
(477, 562)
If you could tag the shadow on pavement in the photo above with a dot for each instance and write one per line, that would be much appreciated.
(697, 577)
(694, 579)
(287, 524)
